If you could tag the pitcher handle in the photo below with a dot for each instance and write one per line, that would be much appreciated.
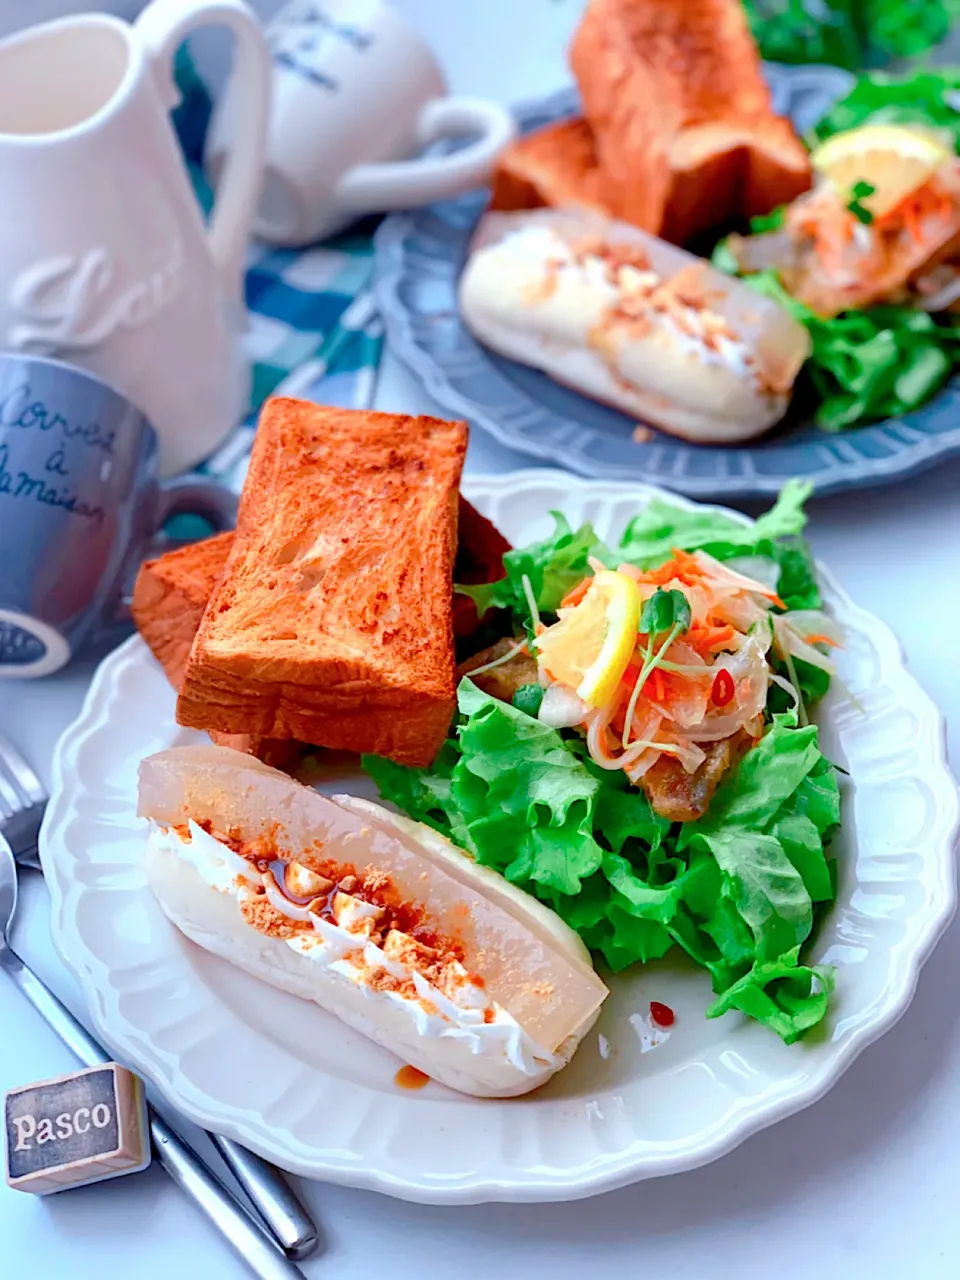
(162, 27)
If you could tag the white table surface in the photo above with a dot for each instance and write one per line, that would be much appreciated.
(861, 1184)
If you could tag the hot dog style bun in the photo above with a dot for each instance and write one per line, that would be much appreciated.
(628, 319)
(376, 918)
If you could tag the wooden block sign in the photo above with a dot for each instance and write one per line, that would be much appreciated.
(76, 1129)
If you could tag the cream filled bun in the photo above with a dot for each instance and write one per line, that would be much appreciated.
(376, 918)
(628, 319)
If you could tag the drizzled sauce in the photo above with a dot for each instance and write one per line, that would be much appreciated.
(410, 1078)
(661, 1015)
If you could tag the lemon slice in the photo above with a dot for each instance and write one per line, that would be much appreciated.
(591, 645)
(893, 158)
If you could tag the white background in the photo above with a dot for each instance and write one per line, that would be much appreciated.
(862, 1184)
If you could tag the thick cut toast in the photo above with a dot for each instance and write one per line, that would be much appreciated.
(554, 166)
(169, 598)
(172, 592)
(681, 115)
(332, 621)
(170, 595)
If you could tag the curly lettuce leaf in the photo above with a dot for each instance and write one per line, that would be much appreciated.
(783, 994)
(738, 890)
(556, 564)
(768, 776)
(925, 97)
(651, 537)
(848, 33)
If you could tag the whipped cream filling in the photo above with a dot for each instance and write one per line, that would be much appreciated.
(344, 947)
(545, 250)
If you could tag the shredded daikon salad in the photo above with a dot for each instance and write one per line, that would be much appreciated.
(692, 670)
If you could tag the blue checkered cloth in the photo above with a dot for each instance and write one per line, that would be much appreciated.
(314, 330)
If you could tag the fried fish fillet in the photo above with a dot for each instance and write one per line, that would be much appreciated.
(684, 797)
(504, 680)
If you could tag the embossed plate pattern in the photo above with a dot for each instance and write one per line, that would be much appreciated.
(289, 1081)
(420, 256)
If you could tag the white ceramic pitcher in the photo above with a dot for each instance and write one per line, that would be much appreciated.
(104, 258)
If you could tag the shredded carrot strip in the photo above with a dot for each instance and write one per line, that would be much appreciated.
(576, 595)
(658, 690)
(818, 639)
(710, 639)
(682, 567)
(911, 220)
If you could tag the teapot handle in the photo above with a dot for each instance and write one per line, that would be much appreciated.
(162, 27)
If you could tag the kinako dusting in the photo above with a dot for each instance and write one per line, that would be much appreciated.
(643, 294)
(402, 930)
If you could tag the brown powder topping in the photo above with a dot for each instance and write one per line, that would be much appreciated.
(614, 255)
(265, 918)
(684, 298)
(375, 878)
(404, 929)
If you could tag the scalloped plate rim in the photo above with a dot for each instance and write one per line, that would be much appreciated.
(924, 928)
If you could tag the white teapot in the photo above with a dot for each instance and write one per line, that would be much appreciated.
(104, 258)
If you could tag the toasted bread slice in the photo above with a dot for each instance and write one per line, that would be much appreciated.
(332, 622)
(740, 168)
(169, 598)
(685, 131)
(170, 595)
(554, 166)
(172, 591)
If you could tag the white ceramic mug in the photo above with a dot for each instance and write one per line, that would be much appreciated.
(356, 94)
(104, 258)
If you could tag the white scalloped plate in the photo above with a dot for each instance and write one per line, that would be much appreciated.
(289, 1081)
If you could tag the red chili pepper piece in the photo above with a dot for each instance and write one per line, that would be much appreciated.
(723, 688)
(661, 1014)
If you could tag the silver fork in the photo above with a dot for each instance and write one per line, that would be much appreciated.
(22, 803)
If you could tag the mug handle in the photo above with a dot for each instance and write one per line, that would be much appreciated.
(186, 495)
(404, 184)
(162, 27)
(192, 495)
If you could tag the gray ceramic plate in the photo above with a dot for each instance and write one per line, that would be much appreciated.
(420, 256)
